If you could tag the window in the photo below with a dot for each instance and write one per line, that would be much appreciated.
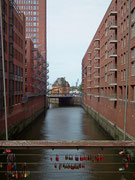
(122, 27)
(34, 34)
(121, 59)
(127, 22)
(121, 43)
(133, 93)
(124, 8)
(34, 18)
(85, 71)
(133, 54)
(34, 23)
(34, 13)
(106, 54)
(34, 1)
(105, 77)
(133, 16)
(124, 59)
(125, 25)
(34, 7)
(133, 68)
(121, 92)
(124, 42)
(21, 72)
(102, 91)
(121, 75)
(105, 68)
(122, 11)
(133, 30)
(133, 61)
(124, 75)
(34, 29)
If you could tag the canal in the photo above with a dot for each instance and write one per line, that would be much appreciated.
(68, 123)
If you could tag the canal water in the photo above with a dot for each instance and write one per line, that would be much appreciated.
(69, 123)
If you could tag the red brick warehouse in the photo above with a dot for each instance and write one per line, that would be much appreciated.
(14, 52)
(25, 63)
(104, 70)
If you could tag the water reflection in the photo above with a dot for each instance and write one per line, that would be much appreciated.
(67, 123)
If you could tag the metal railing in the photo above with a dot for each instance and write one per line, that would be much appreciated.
(57, 95)
(26, 158)
(66, 144)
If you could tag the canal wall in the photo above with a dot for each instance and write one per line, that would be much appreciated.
(112, 129)
(22, 115)
(53, 100)
(77, 101)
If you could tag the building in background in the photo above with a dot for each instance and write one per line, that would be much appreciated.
(60, 86)
(35, 14)
(105, 68)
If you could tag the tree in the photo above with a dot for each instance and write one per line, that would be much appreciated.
(80, 87)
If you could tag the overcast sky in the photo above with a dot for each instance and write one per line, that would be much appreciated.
(71, 25)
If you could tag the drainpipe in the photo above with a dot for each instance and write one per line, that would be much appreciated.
(3, 67)
(127, 74)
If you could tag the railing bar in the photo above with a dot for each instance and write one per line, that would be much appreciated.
(61, 172)
(50, 155)
(66, 144)
(69, 162)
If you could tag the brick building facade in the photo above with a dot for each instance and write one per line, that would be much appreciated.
(105, 68)
(29, 46)
(60, 86)
(35, 14)
(21, 61)
(14, 52)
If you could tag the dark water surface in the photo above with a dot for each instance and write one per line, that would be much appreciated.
(68, 123)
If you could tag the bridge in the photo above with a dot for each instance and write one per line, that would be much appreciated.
(66, 98)
(61, 95)
(77, 162)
